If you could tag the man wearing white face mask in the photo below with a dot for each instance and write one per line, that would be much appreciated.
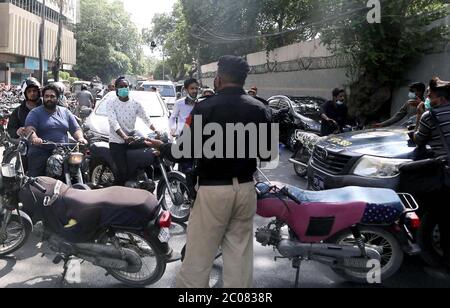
(409, 109)
(334, 113)
(183, 107)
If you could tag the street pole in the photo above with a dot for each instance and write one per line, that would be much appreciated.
(57, 64)
(164, 72)
(41, 44)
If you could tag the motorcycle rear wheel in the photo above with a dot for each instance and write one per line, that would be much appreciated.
(148, 252)
(379, 239)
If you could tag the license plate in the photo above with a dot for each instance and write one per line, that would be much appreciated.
(164, 235)
(318, 183)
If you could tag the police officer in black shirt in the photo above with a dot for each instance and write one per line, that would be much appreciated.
(226, 200)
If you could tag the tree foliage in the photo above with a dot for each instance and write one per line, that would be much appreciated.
(381, 53)
(108, 42)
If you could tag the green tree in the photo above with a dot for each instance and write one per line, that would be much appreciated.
(108, 42)
(381, 53)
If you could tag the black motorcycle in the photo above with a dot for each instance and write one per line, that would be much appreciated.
(146, 169)
(122, 230)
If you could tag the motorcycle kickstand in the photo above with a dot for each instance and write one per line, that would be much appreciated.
(66, 260)
(296, 263)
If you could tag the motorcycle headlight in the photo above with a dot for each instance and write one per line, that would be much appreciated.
(376, 167)
(75, 158)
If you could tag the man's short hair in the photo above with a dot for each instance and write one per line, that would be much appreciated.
(190, 81)
(418, 86)
(338, 91)
(440, 87)
(235, 69)
(118, 80)
(51, 88)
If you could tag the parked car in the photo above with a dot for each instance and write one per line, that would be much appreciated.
(166, 89)
(294, 113)
(98, 123)
(369, 158)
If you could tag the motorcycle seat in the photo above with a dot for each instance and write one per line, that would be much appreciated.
(382, 205)
(94, 209)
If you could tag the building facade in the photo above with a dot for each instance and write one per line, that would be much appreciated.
(20, 22)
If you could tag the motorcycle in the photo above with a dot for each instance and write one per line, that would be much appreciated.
(305, 144)
(66, 162)
(303, 151)
(146, 168)
(122, 230)
(347, 229)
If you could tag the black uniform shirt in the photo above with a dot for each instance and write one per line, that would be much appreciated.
(231, 105)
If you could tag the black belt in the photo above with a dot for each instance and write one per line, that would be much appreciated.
(224, 182)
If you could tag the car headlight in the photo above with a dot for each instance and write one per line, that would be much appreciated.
(377, 167)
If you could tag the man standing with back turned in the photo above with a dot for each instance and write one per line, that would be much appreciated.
(226, 200)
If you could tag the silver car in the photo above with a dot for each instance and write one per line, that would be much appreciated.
(98, 123)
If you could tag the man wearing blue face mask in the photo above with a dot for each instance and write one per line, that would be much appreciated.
(334, 113)
(409, 109)
(123, 112)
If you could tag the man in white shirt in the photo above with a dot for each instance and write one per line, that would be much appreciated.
(183, 107)
(123, 112)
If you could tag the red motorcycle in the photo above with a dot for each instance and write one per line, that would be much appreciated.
(352, 229)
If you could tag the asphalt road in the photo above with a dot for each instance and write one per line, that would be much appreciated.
(27, 268)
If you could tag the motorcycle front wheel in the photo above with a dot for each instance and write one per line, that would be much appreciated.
(180, 207)
(15, 236)
(153, 262)
(101, 174)
(301, 156)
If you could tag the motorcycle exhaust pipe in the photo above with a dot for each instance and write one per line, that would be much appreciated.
(292, 249)
(105, 256)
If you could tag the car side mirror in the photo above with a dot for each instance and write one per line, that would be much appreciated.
(178, 95)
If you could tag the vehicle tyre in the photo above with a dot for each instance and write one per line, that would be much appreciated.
(428, 237)
(153, 262)
(181, 208)
(381, 240)
(16, 235)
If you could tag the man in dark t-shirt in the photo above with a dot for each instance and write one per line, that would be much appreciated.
(334, 113)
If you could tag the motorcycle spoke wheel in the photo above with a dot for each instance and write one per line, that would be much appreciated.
(14, 237)
(152, 265)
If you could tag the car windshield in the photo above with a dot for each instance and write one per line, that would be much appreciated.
(164, 90)
(308, 106)
(151, 102)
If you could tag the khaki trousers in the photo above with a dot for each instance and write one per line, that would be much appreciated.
(222, 217)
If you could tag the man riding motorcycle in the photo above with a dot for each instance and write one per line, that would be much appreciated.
(50, 122)
(31, 90)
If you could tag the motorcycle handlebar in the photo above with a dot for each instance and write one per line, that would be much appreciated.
(288, 194)
(33, 182)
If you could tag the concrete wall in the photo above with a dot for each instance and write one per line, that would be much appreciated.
(430, 66)
(22, 35)
(321, 82)
(314, 83)
(4, 22)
